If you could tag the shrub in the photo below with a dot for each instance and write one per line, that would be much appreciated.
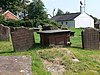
(29, 23)
(4, 22)
(22, 23)
(14, 23)
(1, 17)
(48, 21)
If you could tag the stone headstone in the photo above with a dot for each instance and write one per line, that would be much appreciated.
(90, 38)
(15, 65)
(4, 33)
(22, 39)
(12, 29)
(40, 28)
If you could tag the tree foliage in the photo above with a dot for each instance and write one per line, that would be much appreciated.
(14, 5)
(59, 12)
(1, 17)
(36, 10)
(11, 5)
(23, 5)
(67, 12)
(95, 18)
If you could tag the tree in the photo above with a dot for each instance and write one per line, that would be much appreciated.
(59, 12)
(67, 12)
(23, 6)
(14, 5)
(1, 17)
(36, 10)
(9, 5)
(95, 19)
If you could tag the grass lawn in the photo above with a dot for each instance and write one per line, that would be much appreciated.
(89, 59)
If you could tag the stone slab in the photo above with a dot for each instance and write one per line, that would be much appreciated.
(15, 65)
(53, 31)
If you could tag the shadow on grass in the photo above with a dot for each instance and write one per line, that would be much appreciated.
(7, 52)
(76, 47)
(38, 46)
(35, 47)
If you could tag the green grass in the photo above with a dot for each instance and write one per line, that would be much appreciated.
(76, 40)
(89, 59)
(6, 49)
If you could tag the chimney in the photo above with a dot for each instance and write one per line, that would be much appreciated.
(81, 4)
(80, 9)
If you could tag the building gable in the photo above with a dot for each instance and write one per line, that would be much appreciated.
(10, 15)
(83, 21)
(83, 15)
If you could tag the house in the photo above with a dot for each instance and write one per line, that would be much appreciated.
(9, 15)
(77, 20)
(97, 24)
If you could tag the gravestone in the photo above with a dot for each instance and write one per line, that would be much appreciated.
(4, 33)
(12, 29)
(15, 65)
(40, 28)
(22, 39)
(90, 39)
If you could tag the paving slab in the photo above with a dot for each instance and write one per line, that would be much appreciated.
(15, 65)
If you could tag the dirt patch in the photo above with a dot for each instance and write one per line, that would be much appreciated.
(54, 59)
(54, 67)
(72, 55)
(15, 65)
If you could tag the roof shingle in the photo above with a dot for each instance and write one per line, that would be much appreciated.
(69, 16)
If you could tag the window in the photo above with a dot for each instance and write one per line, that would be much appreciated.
(62, 22)
(66, 23)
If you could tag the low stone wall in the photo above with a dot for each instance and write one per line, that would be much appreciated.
(22, 39)
(4, 33)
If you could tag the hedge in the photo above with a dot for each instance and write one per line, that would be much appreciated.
(28, 23)
(14, 23)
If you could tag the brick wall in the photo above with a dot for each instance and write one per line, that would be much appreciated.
(4, 33)
(22, 39)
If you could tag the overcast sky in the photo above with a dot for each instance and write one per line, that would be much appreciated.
(92, 6)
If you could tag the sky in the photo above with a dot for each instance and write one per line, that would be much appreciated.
(72, 6)
(92, 6)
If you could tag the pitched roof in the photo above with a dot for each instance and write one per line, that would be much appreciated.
(69, 16)
(10, 13)
(98, 22)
